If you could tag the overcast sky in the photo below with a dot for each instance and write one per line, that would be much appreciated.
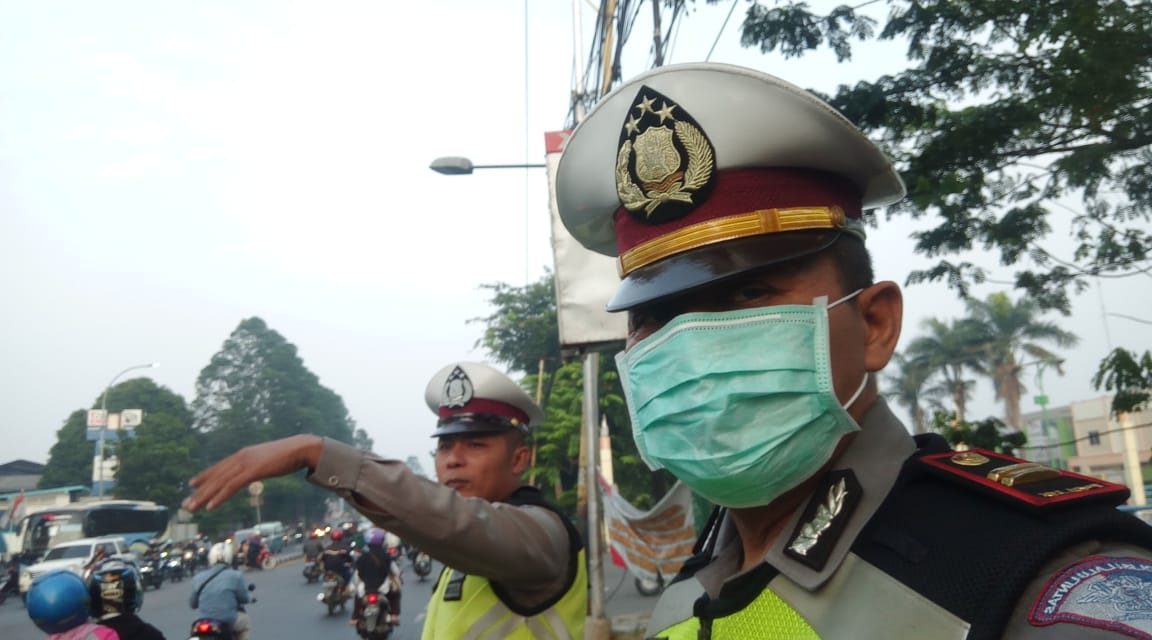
(169, 169)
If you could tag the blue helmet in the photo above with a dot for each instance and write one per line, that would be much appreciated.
(114, 587)
(58, 601)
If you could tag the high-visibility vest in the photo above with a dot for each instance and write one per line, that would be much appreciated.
(471, 607)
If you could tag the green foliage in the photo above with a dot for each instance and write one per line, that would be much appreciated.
(998, 339)
(1005, 109)
(156, 462)
(255, 389)
(70, 459)
(989, 433)
(523, 327)
(1127, 375)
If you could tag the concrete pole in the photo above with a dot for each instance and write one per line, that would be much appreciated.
(1132, 474)
(596, 627)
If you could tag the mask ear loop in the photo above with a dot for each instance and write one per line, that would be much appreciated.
(859, 390)
(842, 300)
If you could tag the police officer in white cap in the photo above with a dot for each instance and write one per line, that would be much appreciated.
(513, 564)
(733, 202)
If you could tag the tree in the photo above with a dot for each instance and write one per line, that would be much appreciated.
(1129, 376)
(70, 459)
(989, 433)
(1006, 331)
(256, 388)
(949, 349)
(1005, 109)
(523, 329)
(907, 384)
(159, 458)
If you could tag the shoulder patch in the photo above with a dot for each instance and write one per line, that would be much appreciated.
(1021, 482)
(1100, 592)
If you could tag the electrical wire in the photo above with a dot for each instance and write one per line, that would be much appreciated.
(721, 32)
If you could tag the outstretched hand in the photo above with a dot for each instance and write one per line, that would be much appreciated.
(222, 480)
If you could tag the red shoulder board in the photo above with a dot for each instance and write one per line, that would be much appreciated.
(1020, 481)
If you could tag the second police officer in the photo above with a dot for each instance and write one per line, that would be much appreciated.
(514, 565)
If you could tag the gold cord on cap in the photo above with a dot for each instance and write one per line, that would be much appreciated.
(742, 225)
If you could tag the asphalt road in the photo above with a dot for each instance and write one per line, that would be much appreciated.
(286, 606)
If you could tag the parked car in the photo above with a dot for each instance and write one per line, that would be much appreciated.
(76, 556)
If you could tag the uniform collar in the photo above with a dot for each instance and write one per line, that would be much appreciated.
(875, 458)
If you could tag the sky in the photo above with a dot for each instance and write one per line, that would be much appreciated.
(170, 169)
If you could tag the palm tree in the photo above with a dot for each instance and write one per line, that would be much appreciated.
(1009, 331)
(949, 349)
(907, 387)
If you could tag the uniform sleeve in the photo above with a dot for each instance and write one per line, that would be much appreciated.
(523, 548)
(1092, 591)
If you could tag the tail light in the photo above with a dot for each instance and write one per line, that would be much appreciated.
(204, 627)
(373, 598)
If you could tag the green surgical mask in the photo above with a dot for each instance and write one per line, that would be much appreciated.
(739, 405)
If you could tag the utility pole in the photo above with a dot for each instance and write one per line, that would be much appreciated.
(657, 39)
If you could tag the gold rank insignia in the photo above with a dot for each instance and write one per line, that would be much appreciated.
(665, 164)
(1021, 482)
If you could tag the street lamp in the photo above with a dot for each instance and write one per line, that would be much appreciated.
(458, 166)
(104, 427)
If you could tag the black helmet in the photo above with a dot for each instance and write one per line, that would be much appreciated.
(114, 587)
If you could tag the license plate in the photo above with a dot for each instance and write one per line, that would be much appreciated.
(329, 585)
(371, 612)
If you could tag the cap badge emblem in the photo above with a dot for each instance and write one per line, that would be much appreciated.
(665, 163)
(458, 390)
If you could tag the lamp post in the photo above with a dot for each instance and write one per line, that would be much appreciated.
(104, 427)
(459, 166)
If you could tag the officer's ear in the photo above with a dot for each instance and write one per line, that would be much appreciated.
(521, 453)
(882, 307)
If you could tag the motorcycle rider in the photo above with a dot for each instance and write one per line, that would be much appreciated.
(312, 547)
(338, 557)
(219, 593)
(374, 566)
(116, 595)
(58, 604)
(255, 546)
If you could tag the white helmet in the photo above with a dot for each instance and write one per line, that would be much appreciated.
(217, 555)
(391, 539)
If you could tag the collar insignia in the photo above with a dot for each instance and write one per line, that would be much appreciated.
(665, 163)
(824, 519)
(457, 390)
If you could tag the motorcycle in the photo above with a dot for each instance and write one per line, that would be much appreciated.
(312, 571)
(151, 572)
(374, 612)
(188, 561)
(173, 565)
(10, 581)
(212, 629)
(422, 565)
(335, 593)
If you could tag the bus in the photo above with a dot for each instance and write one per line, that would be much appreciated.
(136, 521)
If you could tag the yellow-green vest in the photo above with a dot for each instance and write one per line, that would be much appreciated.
(480, 613)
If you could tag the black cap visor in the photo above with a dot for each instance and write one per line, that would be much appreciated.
(475, 423)
(685, 272)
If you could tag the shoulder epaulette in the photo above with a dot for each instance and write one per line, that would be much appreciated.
(1022, 482)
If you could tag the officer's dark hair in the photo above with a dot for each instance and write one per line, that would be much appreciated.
(853, 263)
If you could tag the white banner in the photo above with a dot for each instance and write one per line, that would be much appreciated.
(131, 418)
(97, 418)
(585, 280)
(651, 542)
